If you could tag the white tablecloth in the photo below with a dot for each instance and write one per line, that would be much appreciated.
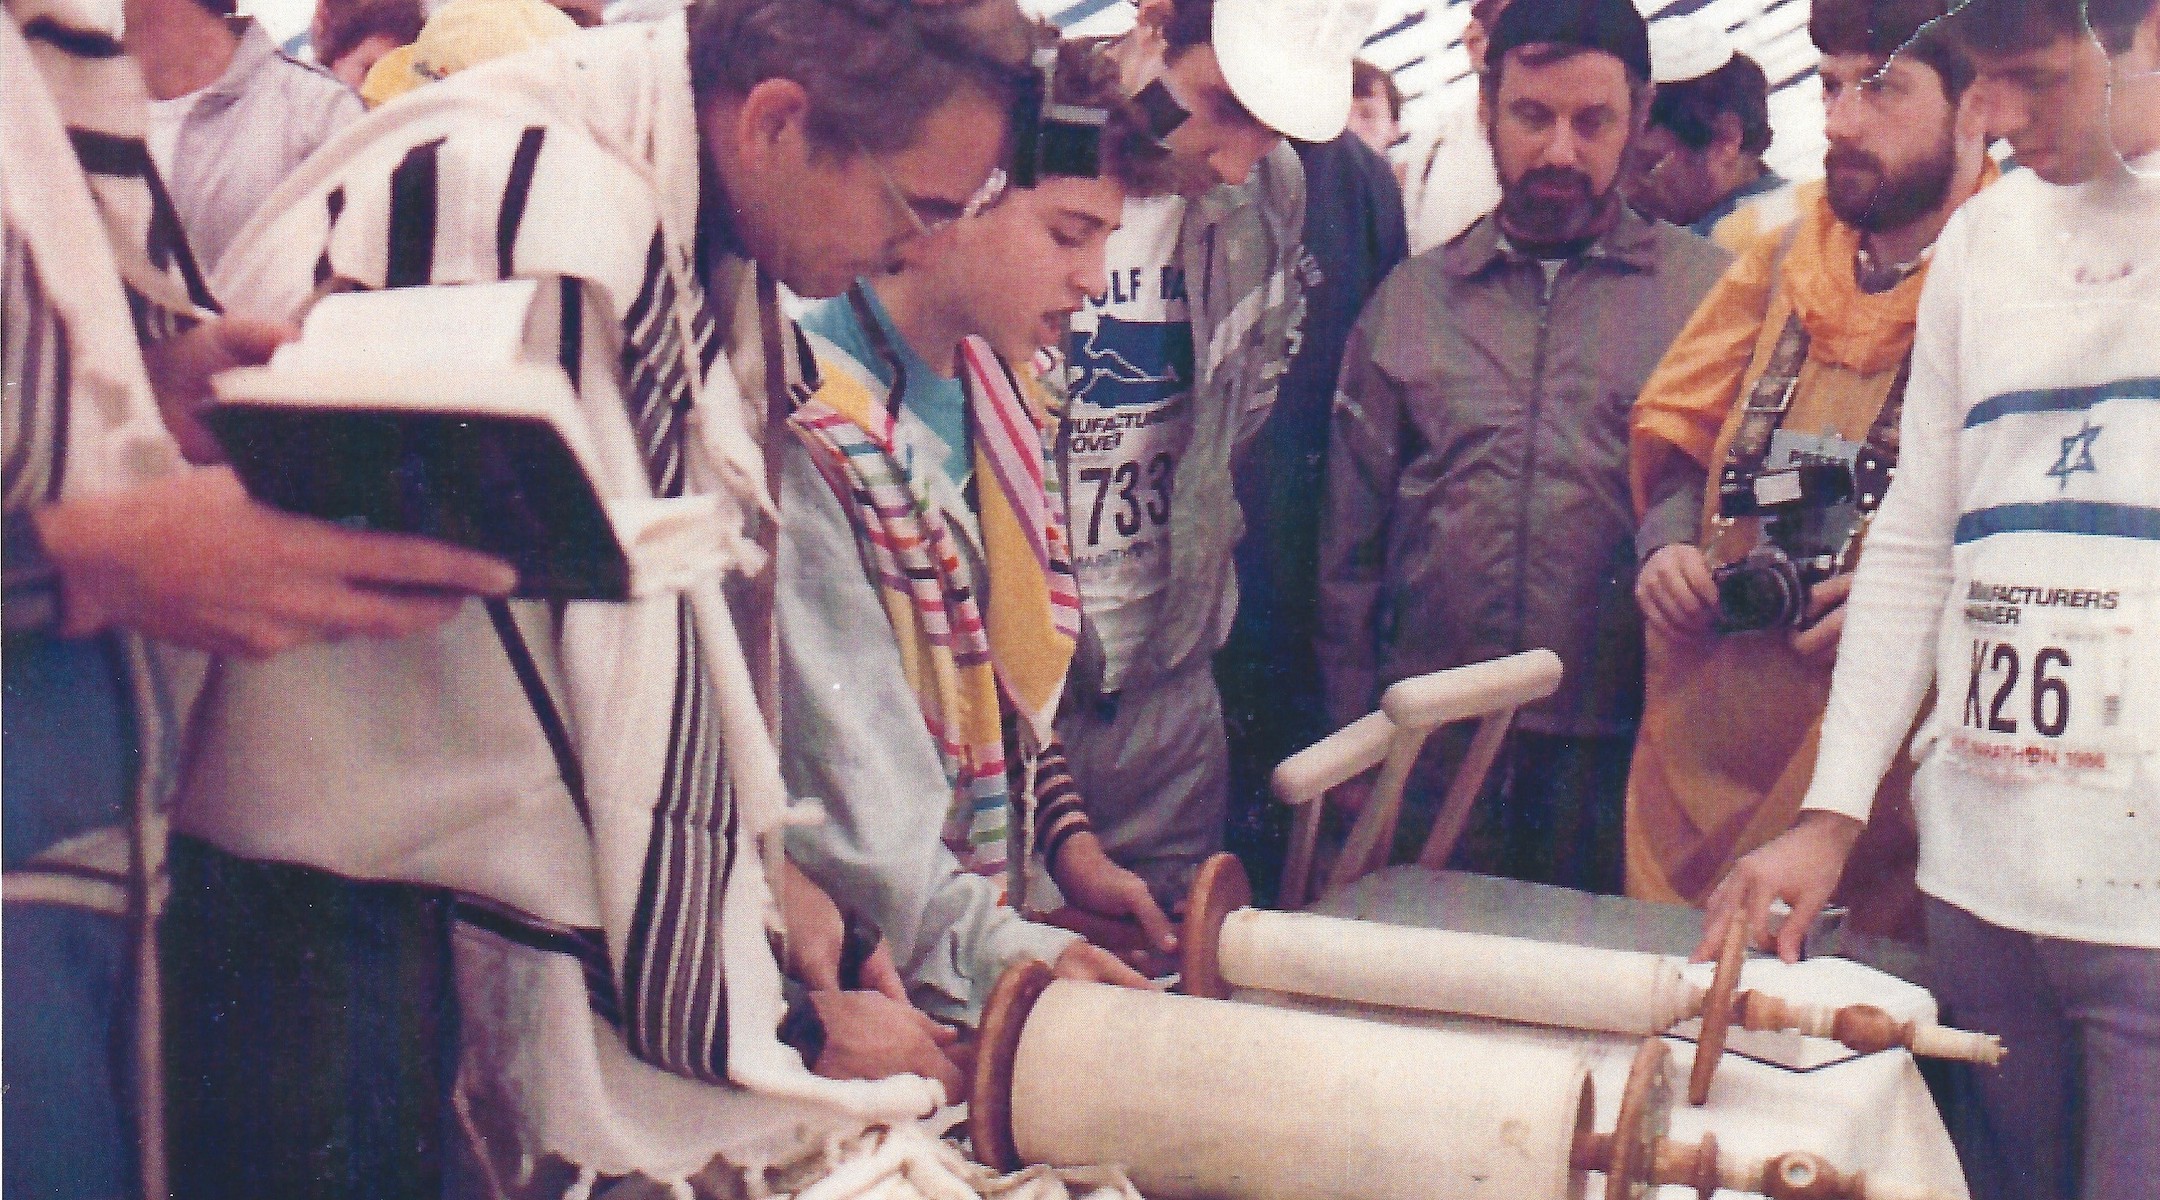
(1861, 1112)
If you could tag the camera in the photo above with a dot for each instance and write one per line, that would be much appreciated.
(1766, 589)
(1810, 522)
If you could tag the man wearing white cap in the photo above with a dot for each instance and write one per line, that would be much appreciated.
(1168, 373)
(1451, 181)
(1699, 164)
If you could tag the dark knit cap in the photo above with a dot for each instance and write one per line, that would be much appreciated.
(1879, 27)
(1882, 28)
(1612, 26)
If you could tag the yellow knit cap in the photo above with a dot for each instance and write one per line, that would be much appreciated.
(461, 34)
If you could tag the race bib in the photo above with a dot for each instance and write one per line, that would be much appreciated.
(2051, 683)
(1129, 417)
(1123, 467)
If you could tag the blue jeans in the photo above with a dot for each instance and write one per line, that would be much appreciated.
(2073, 1112)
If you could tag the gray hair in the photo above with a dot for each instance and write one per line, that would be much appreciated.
(874, 69)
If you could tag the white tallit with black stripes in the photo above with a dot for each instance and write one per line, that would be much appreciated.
(98, 235)
(95, 270)
(600, 783)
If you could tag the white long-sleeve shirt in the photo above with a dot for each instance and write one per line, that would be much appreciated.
(2015, 566)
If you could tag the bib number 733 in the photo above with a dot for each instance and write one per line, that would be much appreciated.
(1141, 492)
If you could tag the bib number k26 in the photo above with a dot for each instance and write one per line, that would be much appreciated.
(2004, 690)
(2048, 708)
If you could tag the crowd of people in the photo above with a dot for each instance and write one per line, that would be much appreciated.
(1096, 422)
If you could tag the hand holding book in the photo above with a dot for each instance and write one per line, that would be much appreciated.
(444, 412)
(191, 560)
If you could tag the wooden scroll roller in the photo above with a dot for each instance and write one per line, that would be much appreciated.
(1375, 969)
(1391, 739)
(1203, 1100)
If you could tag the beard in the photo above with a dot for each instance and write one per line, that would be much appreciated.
(1549, 206)
(1872, 199)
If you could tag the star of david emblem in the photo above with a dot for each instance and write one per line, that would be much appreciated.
(2076, 456)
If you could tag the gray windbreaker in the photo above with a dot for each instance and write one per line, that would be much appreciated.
(1477, 495)
(1242, 248)
(1152, 762)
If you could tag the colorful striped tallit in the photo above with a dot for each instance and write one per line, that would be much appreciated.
(959, 651)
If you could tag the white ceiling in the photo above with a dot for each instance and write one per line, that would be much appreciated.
(1421, 42)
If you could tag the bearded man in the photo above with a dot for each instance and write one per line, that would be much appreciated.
(1477, 483)
(1823, 315)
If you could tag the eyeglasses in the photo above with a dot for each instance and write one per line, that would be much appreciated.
(942, 213)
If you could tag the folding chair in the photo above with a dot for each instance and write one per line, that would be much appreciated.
(1390, 739)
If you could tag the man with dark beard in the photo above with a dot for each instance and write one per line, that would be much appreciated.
(1477, 499)
(1817, 323)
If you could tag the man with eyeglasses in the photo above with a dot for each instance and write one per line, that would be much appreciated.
(1731, 714)
(927, 598)
(1700, 162)
(568, 817)
(2015, 571)
(1168, 374)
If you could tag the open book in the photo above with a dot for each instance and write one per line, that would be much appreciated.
(445, 411)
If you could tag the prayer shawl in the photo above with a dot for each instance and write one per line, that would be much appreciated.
(1728, 737)
(83, 198)
(578, 163)
(108, 273)
(957, 649)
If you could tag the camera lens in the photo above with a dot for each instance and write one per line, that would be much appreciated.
(1759, 594)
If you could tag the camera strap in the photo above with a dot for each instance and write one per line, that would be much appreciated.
(1767, 403)
(1771, 399)
(1876, 462)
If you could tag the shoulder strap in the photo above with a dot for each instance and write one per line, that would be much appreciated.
(1770, 399)
(1763, 412)
(1876, 463)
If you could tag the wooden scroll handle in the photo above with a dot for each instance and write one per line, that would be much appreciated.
(1861, 1027)
(1867, 1029)
(1638, 1156)
(1718, 1007)
(1797, 1175)
(1303, 778)
(1410, 710)
(1444, 697)
(997, 1043)
(1418, 704)
(1333, 760)
(1219, 888)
